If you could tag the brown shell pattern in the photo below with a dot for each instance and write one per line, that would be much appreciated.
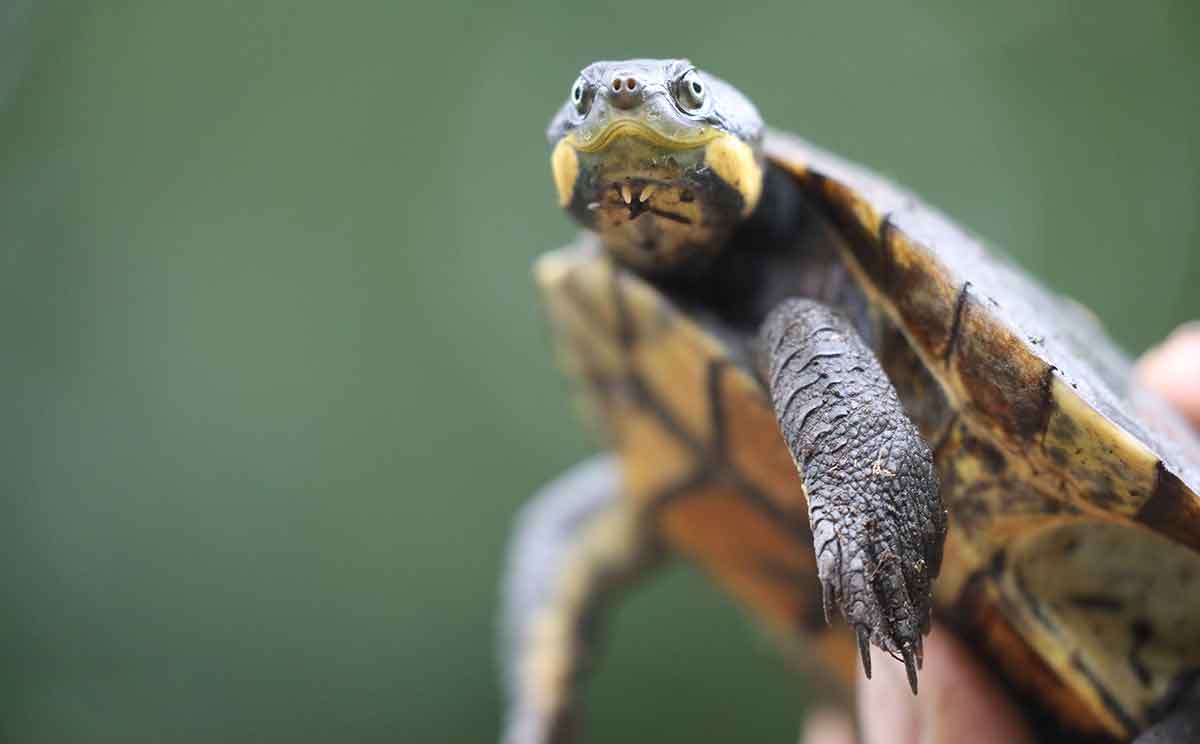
(1073, 559)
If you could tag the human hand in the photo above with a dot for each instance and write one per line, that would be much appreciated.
(1172, 369)
(959, 701)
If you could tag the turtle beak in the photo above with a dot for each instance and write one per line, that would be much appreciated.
(728, 158)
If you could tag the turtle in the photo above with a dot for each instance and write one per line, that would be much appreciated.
(853, 416)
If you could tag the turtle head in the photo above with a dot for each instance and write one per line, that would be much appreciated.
(660, 159)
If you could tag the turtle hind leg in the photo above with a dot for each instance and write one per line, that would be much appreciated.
(575, 546)
(877, 519)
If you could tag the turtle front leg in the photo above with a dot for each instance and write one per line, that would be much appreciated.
(574, 547)
(877, 519)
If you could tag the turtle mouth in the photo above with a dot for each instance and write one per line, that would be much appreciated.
(633, 175)
(657, 202)
(681, 138)
(636, 197)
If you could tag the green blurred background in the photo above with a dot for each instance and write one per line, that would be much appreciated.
(275, 381)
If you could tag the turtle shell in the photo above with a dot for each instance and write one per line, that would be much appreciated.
(1073, 557)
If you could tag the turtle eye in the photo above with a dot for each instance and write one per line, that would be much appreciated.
(579, 97)
(690, 91)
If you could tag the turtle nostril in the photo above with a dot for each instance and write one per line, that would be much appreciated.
(626, 92)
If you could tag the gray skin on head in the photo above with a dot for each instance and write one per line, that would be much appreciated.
(639, 171)
(725, 107)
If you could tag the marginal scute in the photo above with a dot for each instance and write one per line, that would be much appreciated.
(998, 375)
(920, 294)
(1105, 464)
(863, 212)
(1172, 509)
(927, 296)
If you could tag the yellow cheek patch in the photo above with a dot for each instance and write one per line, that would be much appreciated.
(734, 162)
(565, 164)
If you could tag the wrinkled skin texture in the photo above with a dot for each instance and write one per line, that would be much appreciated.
(959, 700)
(877, 521)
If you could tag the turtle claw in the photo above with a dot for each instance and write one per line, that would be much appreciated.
(910, 665)
(864, 649)
(826, 601)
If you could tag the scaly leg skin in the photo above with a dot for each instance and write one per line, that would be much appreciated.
(575, 546)
(877, 519)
